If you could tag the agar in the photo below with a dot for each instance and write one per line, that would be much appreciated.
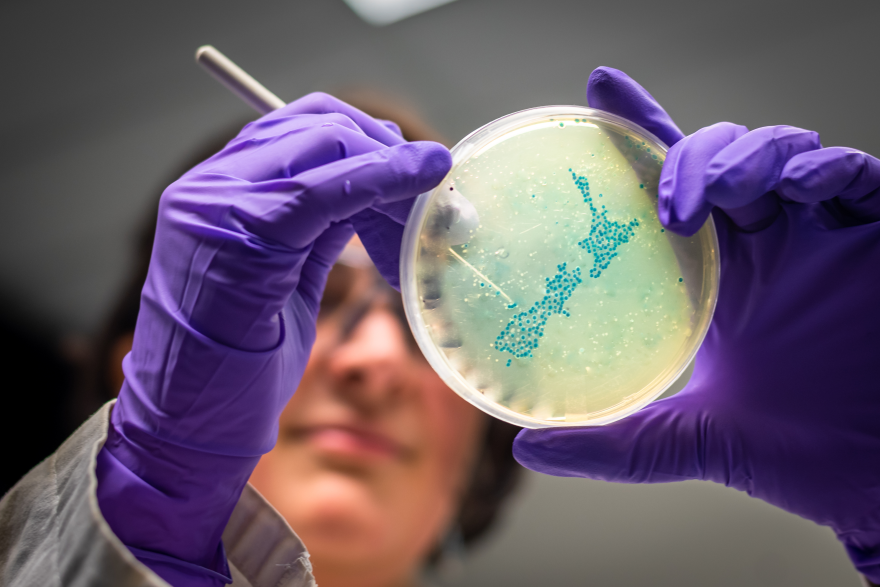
(521, 335)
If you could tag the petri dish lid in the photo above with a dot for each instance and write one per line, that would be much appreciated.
(538, 280)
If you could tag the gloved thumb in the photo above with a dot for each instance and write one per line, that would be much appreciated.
(662, 443)
(380, 227)
(613, 91)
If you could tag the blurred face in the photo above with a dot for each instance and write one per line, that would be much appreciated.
(374, 451)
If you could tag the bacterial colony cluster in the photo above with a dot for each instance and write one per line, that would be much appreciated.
(567, 301)
(605, 236)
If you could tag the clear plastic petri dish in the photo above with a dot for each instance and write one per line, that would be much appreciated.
(538, 280)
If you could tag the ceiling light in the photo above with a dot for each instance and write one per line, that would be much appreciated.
(382, 12)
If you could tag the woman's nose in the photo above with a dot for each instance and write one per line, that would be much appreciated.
(370, 367)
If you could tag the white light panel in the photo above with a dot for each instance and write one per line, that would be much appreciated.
(382, 12)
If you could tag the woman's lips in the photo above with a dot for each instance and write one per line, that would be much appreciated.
(347, 441)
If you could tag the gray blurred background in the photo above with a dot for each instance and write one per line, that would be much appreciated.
(102, 101)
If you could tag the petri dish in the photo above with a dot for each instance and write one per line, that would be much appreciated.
(538, 280)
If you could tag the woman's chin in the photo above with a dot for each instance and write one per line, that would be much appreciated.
(352, 562)
(346, 553)
(348, 535)
(340, 510)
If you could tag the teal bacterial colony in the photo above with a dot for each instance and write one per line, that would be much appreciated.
(605, 235)
(522, 334)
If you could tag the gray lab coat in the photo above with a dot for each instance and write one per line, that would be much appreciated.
(53, 534)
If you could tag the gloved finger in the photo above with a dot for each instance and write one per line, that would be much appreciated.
(847, 174)
(392, 126)
(321, 103)
(381, 231)
(325, 251)
(396, 211)
(308, 142)
(741, 178)
(662, 443)
(381, 236)
(682, 206)
(294, 212)
(613, 91)
(752, 165)
(285, 124)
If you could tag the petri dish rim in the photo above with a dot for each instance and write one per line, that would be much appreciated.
(474, 143)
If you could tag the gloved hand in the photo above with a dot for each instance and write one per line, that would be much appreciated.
(243, 246)
(784, 402)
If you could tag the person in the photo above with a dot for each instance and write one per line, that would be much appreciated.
(380, 468)
(243, 247)
(383, 471)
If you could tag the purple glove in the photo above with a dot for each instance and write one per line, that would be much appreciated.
(227, 320)
(784, 402)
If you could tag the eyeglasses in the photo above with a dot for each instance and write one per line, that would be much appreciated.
(352, 293)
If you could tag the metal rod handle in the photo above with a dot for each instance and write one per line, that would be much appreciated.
(237, 80)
